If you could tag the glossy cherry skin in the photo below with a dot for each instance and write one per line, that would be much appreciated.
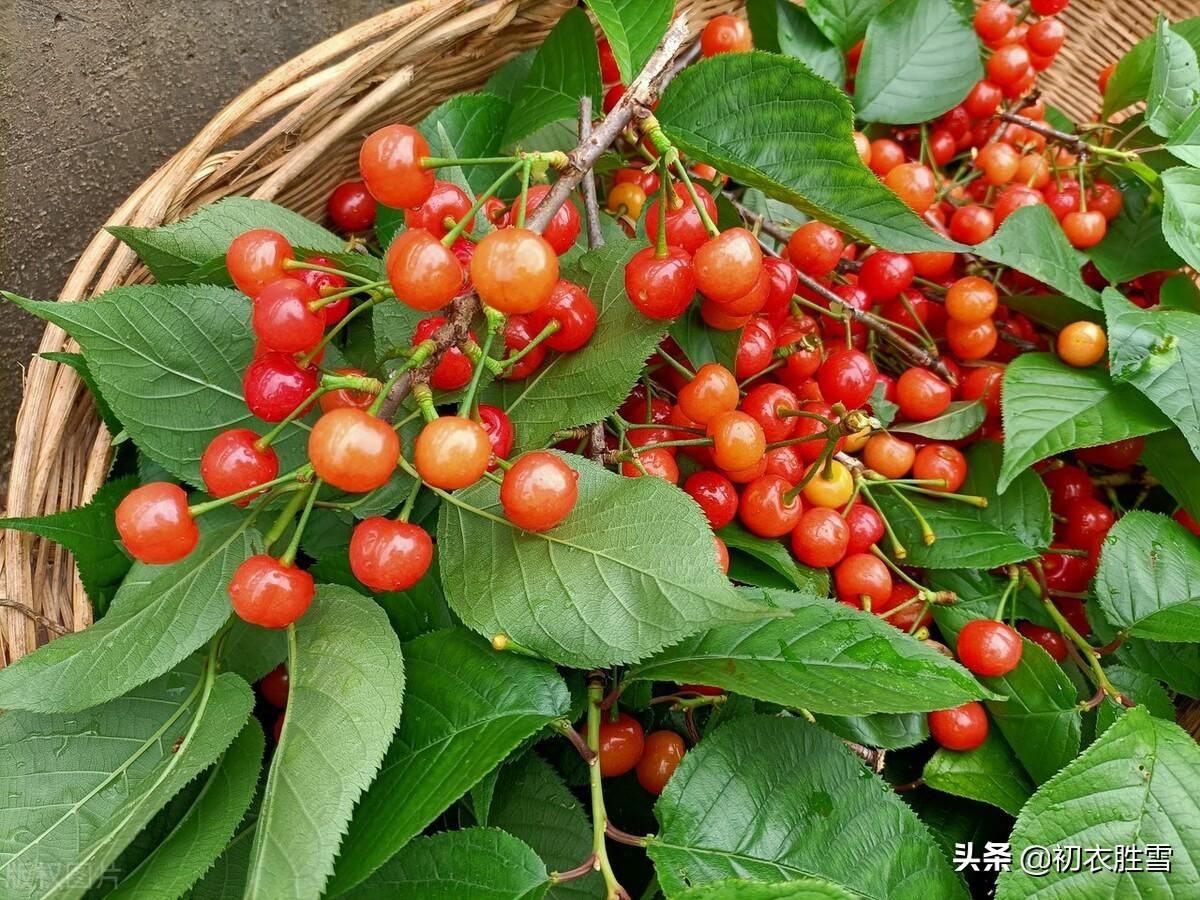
(934, 461)
(1117, 455)
(660, 288)
(889, 455)
(424, 273)
(815, 248)
(274, 385)
(265, 592)
(712, 391)
(784, 279)
(728, 265)
(984, 382)
(816, 432)
(452, 452)
(514, 270)
(155, 524)
(517, 336)
(866, 528)
(764, 510)
(563, 229)
(1066, 484)
(914, 184)
(988, 647)
(715, 493)
(660, 758)
(390, 163)
(326, 283)
(1082, 344)
(1088, 521)
(346, 396)
(884, 274)
(274, 686)
(351, 206)
(386, 555)
(738, 440)
(353, 450)
(962, 728)
(922, 395)
(685, 228)
(255, 258)
(756, 349)
(454, 368)
(725, 34)
(972, 224)
(764, 402)
(282, 319)
(820, 538)
(621, 744)
(848, 377)
(538, 491)
(573, 310)
(1046, 638)
(447, 202)
(232, 463)
(499, 428)
(862, 574)
(657, 462)
(910, 616)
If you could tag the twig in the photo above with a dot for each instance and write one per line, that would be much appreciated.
(453, 332)
(584, 868)
(591, 208)
(577, 740)
(872, 757)
(596, 443)
(48, 624)
(1078, 144)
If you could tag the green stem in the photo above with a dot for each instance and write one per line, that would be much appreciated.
(289, 555)
(299, 473)
(324, 301)
(599, 814)
(307, 358)
(305, 405)
(284, 519)
(523, 208)
(406, 510)
(349, 276)
(898, 549)
(681, 171)
(465, 222)
(442, 162)
(495, 322)
(552, 327)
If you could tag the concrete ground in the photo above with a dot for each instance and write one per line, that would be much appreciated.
(94, 96)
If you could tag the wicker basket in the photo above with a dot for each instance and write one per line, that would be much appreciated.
(393, 67)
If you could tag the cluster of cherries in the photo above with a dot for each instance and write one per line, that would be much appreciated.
(624, 746)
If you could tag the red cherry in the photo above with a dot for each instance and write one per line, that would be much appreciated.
(390, 163)
(815, 248)
(255, 258)
(962, 728)
(232, 463)
(756, 349)
(983, 99)
(621, 744)
(728, 265)
(764, 508)
(282, 319)
(573, 310)
(1067, 484)
(563, 229)
(922, 395)
(716, 495)
(351, 206)
(988, 647)
(862, 575)
(609, 71)
(713, 390)
(274, 686)
(424, 273)
(910, 617)
(324, 284)
(738, 440)
(447, 202)
(274, 385)
(1067, 574)
(885, 274)
(454, 368)
(1088, 521)
(499, 428)
(1046, 638)
(155, 524)
(972, 224)
(657, 462)
(660, 758)
(725, 34)
(865, 527)
(764, 402)
(266, 592)
(984, 382)
(517, 336)
(346, 396)
(514, 270)
(685, 228)
(940, 461)
(783, 281)
(386, 555)
(820, 538)
(452, 452)
(538, 491)
(810, 428)
(847, 377)
(353, 450)
(660, 288)
(1117, 455)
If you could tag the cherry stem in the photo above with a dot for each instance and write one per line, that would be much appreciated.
(681, 702)
(314, 267)
(267, 439)
(495, 323)
(898, 549)
(406, 509)
(423, 394)
(289, 555)
(452, 235)
(420, 354)
(300, 473)
(563, 727)
(523, 203)
(784, 412)
(927, 534)
(442, 162)
(624, 837)
(552, 327)
(307, 359)
(584, 868)
(681, 170)
(923, 592)
(323, 301)
(279, 526)
(664, 193)
(595, 696)
(676, 364)
(632, 452)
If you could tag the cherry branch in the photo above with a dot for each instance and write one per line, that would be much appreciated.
(591, 207)
(1074, 141)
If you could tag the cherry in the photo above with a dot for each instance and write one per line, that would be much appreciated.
(756, 349)
(255, 258)
(911, 616)
(267, 592)
(660, 287)
(738, 440)
(447, 201)
(815, 248)
(885, 274)
(713, 390)
(969, 342)
(866, 528)
(538, 491)
(351, 206)
(1049, 7)
(424, 273)
(962, 728)
(784, 279)
(1117, 455)
(452, 452)
(647, 181)
(1067, 574)
(998, 162)
(725, 34)
(274, 385)
(1106, 199)
(324, 284)
(657, 462)
(346, 396)
(232, 463)
(764, 402)
(685, 228)
(862, 145)
(1088, 521)
(612, 97)
(988, 647)
(1034, 172)
(1062, 200)
(749, 303)
(517, 336)
(1067, 484)
(886, 154)
(862, 575)
(627, 198)
(716, 495)
(994, 19)
(888, 455)
(661, 757)
(1008, 65)
(922, 395)
(984, 382)
(786, 462)
(1184, 518)
(1084, 228)
(1103, 77)
(810, 428)
(972, 224)
(390, 164)
(913, 183)
(386, 555)
(498, 426)
(563, 229)
(934, 461)
(970, 300)
(277, 728)
(274, 686)
(1046, 638)
(764, 508)
(353, 450)
(155, 524)
(282, 319)
(820, 538)
(847, 377)
(1082, 344)
(942, 146)
(831, 487)
(609, 70)
(728, 265)
(620, 746)
(514, 270)
(454, 368)
(573, 310)
(983, 99)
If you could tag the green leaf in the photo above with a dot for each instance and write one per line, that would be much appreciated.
(532, 803)
(770, 123)
(1013, 527)
(633, 29)
(566, 68)
(159, 616)
(701, 344)
(466, 708)
(346, 687)
(1155, 351)
(1148, 582)
(78, 788)
(1184, 142)
(1180, 292)
(1131, 80)
(1049, 407)
(473, 125)
(578, 388)
(961, 418)
(1134, 244)
(1170, 460)
(157, 349)
(782, 27)
(174, 253)
(776, 799)
(891, 731)
(480, 863)
(226, 880)
(920, 58)
(990, 774)
(1135, 785)
(1174, 81)
(737, 889)
(844, 21)
(1178, 665)
(419, 610)
(1143, 689)
(1181, 212)
(776, 557)
(885, 410)
(1032, 241)
(90, 533)
(506, 82)
(197, 839)
(592, 591)
(79, 364)
(1055, 311)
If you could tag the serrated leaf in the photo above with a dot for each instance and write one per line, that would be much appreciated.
(1134, 244)
(1181, 212)
(592, 591)
(777, 799)
(480, 863)
(78, 788)
(226, 880)
(466, 708)
(1174, 81)
(174, 253)
(1148, 581)
(1141, 688)
(79, 364)
(506, 81)
(345, 692)
(989, 774)
(1135, 785)
(825, 657)
(1155, 351)
(770, 123)
(920, 58)
(1049, 407)
(90, 533)
(738, 889)
(1177, 665)
(961, 418)
(196, 841)
(157, 349)
(1032, 241)
(844, 21)
(782, 27)
(565, 68)
(702, 345)
(159, 616)
(1013, 527)
(633, 29)
(883, 409)
(1170, 460)
(1179, 292)
(891, 731)
(776, 557)
(1131, 80)
(472, 124)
